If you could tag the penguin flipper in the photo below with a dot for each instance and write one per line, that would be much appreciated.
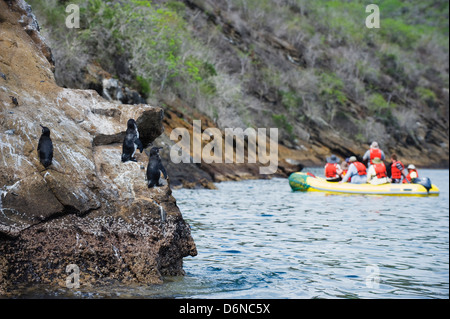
(139, 144)
(163, 170)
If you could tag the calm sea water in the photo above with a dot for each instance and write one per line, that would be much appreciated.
(258, 239)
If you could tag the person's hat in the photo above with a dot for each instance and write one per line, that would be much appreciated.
(377, 160)
(411, 166)
(333, 159)
(352, 159)
(374, 145)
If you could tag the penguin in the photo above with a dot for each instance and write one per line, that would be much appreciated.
(14, 100)
(45, 147)
(154, 168)
(131, 142)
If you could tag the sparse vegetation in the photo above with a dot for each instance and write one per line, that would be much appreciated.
(304, 61)
(282, 122)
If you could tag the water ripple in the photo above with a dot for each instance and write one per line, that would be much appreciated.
(257, 239)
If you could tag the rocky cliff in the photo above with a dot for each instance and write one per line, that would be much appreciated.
(328, 88)
(309, 68)
(88, 208)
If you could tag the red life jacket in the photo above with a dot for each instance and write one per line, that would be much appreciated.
(408, 177)
(361, 168)
(395, 172)
(380, 170)
(374, 152)
(330, 170)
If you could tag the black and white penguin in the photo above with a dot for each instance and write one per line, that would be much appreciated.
(45, 147)
(155, 168)
(131, 142)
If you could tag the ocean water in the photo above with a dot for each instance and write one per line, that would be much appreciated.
(258, 239)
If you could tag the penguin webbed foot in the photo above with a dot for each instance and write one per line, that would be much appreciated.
(151, 185)
(46, 165)
(128, 158)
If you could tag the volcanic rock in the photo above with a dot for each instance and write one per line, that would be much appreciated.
(88, 208)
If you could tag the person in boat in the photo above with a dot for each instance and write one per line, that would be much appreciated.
(397, 170)
(412, 174)
(376, 174)
(374, 151)
(357, 172)
(333, 170)
(344, 167)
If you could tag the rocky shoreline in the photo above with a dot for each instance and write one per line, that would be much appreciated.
(88, 209)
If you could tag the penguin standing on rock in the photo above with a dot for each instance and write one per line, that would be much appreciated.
(155, 168)
(45, 147)
(14, 100)
(131, 142)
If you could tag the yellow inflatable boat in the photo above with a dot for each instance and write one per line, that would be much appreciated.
(308, 182)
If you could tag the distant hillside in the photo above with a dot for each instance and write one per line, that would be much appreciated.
(310, 68)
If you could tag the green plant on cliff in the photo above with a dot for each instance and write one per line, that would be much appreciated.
(379, 107)
(291, 100)
(238, 61)
(153, 40)
(282, 122)
(427, 95)
(332, 88)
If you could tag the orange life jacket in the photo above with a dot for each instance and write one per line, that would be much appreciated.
(374, 152)
(330, 170)
(408, 177)
(395, 172)
(361, 168)
(380, 170)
